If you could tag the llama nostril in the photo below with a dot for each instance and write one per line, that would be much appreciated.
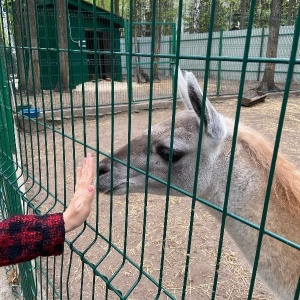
(103, 169)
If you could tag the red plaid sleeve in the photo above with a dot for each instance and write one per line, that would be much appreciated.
(25, 237)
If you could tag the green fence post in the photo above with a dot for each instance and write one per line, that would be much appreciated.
(8, 181)
(173, 60)
(7, 142)
(171, 52)
(128, 45)
(260, 52)
(172, 47)
(220, 63)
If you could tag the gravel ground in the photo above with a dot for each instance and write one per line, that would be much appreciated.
(5, 289)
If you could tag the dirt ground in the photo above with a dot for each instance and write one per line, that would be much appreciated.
(52, 157)
(100, 93)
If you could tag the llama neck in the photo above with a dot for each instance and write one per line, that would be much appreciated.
(279, 265)
(248, 191)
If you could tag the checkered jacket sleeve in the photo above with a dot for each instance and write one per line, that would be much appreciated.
(25, 237)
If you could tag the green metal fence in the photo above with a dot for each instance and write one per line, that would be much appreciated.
(224, 75)
(134, 246)
(11, 202)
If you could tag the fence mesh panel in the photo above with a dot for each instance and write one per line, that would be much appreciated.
(77, 70)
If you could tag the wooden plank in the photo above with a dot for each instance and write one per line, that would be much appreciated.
(252, 98)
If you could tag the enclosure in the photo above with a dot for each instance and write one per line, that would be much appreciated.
(139, 245)
(80, 37)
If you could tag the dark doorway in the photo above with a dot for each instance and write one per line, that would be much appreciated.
(98, 63)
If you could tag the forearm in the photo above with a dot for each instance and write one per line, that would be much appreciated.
(25, 237)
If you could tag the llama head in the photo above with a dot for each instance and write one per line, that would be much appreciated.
(183, 156)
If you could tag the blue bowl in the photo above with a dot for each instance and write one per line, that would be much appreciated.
(31, 112)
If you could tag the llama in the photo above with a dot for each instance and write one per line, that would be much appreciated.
(279, 264)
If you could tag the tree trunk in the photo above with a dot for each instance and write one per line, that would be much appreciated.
(136, 49)
(196, 16)
(62, 15)
(158, 32)
(117, 7)
(259, 13)
(157, 51)
(267, 84)
(216, 19)
(18, 26)
(243, 14)
(2, 43)
(123, 9)
(290, 12)
(33, 78)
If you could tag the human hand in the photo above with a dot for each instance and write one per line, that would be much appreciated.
(80, 205)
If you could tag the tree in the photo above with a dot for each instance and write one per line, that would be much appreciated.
(243, 14)
(33, 79)
(158, 33)
(136, 16)
(25, 33)
(162, 15)
(62, 13)
(124, 8)
(195, 15)
(268, 84)
(117, 7)
(292, 11)
(18, 20)
(143, 11)
(137, 60)
(1, 41)
(216, 17)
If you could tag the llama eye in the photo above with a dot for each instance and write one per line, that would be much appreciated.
(164, 153)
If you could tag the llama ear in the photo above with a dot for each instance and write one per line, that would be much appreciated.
(195, 94)
(215, 126)
(183, 90)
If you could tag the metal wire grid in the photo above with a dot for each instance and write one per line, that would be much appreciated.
(46, 271)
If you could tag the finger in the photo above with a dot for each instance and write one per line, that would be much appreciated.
(89, 169)
(78, 176)
(84, 167)
(78, 172)
(84, 162)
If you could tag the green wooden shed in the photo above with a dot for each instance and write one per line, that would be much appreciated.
(88, 29)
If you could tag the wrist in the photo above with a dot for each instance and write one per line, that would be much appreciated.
(67, 222)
